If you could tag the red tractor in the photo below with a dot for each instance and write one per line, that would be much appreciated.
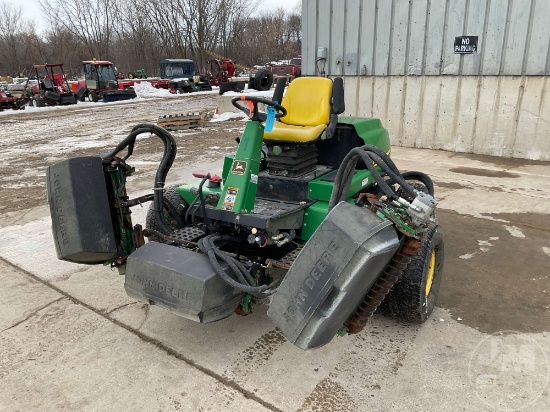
(222, 71)
(100, 83)
(52, 88)
(8, 101)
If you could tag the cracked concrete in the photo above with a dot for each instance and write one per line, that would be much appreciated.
(30, 315)
(81, 344)
(77, 359)
(120, 307)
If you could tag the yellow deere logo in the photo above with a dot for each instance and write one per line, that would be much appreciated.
(238, 167)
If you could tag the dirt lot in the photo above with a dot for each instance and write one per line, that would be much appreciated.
(34, 139)
(497, 259)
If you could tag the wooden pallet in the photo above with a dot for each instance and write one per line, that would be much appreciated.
(184, 121)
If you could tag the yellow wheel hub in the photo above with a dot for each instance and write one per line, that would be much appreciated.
(431, 271)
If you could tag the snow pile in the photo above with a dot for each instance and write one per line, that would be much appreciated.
(268, 94)
(229, 116)
(145, 89)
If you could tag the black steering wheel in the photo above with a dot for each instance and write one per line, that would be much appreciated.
(255, 115)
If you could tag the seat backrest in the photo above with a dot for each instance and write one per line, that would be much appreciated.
(307, 101)
(48, 84)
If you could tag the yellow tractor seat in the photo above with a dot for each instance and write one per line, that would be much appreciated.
(283, 132)
(308, 103)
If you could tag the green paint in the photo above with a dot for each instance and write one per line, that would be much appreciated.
(343, 331)
(239, 192)
(313, 217)
(227, 162)
(122, 214)
(388, 213)
(247, 303)
(188, 192)
(370, 130)
(321, 190)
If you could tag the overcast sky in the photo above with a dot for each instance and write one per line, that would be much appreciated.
(31, 8)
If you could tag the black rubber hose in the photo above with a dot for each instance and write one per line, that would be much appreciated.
(188, 211)
(343, 178)
(396, 177)
(166, 162)
(370, 155)
(208, 246)
(389, 162)
(393, 174)
(377, 176)
(421, 177)
(203, 203)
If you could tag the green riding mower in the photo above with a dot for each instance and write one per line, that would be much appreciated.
(311, 217)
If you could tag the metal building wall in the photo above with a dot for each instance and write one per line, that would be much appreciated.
(416, 37)
(398, 63)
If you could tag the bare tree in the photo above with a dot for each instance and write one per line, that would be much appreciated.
(90, 21)
(139, 33)
(10, 32)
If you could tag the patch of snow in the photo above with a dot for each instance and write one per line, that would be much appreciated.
(145, 89)
(252, 92)
(546, 250)
(229, 116)
(467, 256)
(514, 231)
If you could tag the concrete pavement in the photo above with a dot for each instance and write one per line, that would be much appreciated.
(70, 338)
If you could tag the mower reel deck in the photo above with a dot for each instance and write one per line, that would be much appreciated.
(323, 247)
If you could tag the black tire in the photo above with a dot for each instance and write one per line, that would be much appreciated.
(82, 98)
(37, 101)
(175, 200)
(408, 300)
(263, 79)
(93, 97)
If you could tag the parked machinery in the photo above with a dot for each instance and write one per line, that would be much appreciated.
(310, 216)
(181, 73)
(9, 101)
(52, 87)
(221, 72)
(100, 83)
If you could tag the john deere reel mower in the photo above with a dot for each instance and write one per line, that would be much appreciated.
(311, 217)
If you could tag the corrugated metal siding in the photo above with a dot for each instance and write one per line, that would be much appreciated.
(416, 37)
(504, 116)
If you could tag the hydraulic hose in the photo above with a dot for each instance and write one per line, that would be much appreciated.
(166, 162)
(377, 153)
(344, 176)
(244, 280)
(374, 158)
(418, 176)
